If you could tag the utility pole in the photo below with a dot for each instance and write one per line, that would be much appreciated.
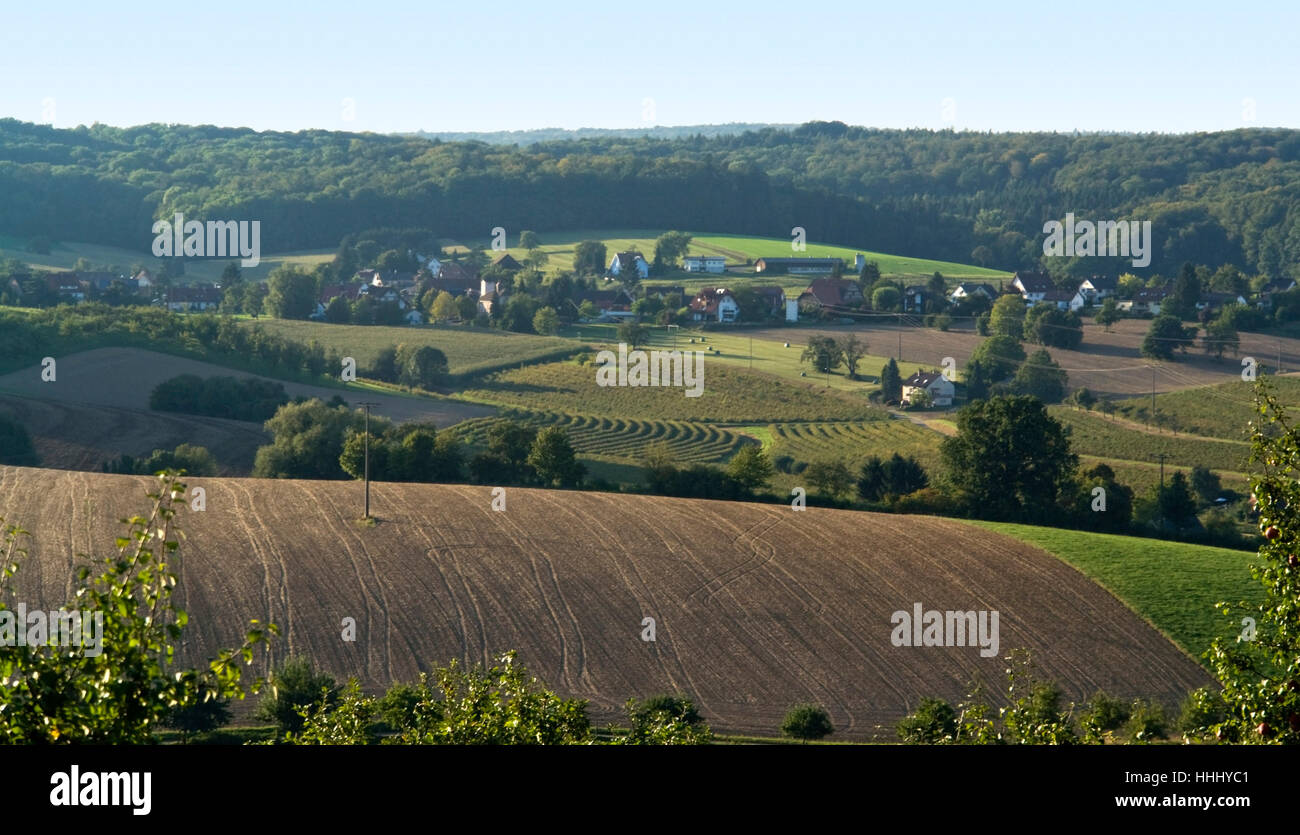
(751, 353)
(1153, 393)
(1279, 356)
(900, 337)
(367, 405)
(1161, 456)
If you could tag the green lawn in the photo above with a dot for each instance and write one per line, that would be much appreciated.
(737, 249)
(1173, 585)
(1095, 435)
(1220, 411)
(469, 350)
(730, 395)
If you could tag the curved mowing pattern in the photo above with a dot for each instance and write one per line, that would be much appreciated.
(690, 443)
(855, 440)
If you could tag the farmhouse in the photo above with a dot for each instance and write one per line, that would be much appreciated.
(507, 262)
(967, 289)
(714, 304)
(491, 294)
(914, 299)
(202, 297)
(1147, 300)
(1032, 286)
(455, 278)
(940, 388)
(67, 286)
(1216, 300)
(831, 294)
(629, 260)
(1268, 291)
(673, 296)
(704, 264)
(611, 305)
(1098, 288)
(1064, 299)
(799, 266)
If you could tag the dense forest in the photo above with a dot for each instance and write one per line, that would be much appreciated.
(1231, 197)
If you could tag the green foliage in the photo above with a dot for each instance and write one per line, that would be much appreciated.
(290, 293)
(295, 686)
(891, 382)
(892, 477)
(1054, 327)
(664, 720)
(1041, 377)
(203, 717)
(999, 356)
(1166, 335)
(1007, 318)
(633, 334)
(307, 441)
(1261, 677)
(669, 249)
(886, 298)
(1109, 313)
(933, 722)
(1034, 716)
(589, 258)
(131, 683)
(823, 352)
(1146, 722)
(546, 321)
(1010, 459)
(750, 467)
(420, 366)
(807, 722)
(246, 398)
(830, 478)
(15, 444)
(552, 459)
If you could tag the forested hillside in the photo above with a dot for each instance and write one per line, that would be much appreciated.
(1231, 197)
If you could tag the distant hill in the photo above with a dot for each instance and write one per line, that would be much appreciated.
(529, 137)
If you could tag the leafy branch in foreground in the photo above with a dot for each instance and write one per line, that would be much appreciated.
(124, 684)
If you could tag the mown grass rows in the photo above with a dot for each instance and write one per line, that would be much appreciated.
(624, 438)
(854, 441)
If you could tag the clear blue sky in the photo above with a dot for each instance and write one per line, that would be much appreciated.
(502, 65)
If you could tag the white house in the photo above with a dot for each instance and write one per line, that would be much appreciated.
(1098, 288)
(940, 388)
(704, 264)
(1065, 299)
(1032, 286)
(714, 304)
(624, 260)
(967, 289)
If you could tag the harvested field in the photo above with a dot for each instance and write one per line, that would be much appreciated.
(122, 378)
(756, 606)
(74, 436)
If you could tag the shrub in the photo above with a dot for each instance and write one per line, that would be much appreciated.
(1146, 722)
(933, 722)
(807, 722)
(296, 686)
(16, 445)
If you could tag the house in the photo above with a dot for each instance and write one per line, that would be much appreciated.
(799, 266)
(967, 289)
(414, 317)
(1268, 291)
(491, 294)
(1214, 299)
(1032, 286)
(507, 262)
(455, 278)
(197, 298)
(940, 387)
(914, 299)
(611, 305)
(98, 280)
(704, 264)
(1147, 300)
(67, 286)
(629, 260)
(392, 279)
(349, 292)
(772, 297)
(714, 304)
(1064, 299)
(1098, 288)
(831, 293)
(143, 280)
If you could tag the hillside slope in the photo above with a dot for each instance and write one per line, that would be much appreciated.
(756, 606)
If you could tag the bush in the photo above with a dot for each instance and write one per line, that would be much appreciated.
(225, 397)
(1201, 710)
(1146, 722)
(296, 686)
(807, 722)
(933, 722)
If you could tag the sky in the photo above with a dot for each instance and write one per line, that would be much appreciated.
(490, 65)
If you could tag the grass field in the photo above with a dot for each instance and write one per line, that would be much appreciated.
(854, 441)
(730, 395)
(469, 350)
(1095, 435)
(737, 249)
(1172, 585)
(1221, 411)
(769, 355)
(64, 255)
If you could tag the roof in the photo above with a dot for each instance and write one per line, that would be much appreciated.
(802, 262)
(1059, 295)
(604, 299)
(915, 290)
(1150, 294)
(333, 291)
(454, 271)
(923, 379)
(1102, 282)
(833, 292)
(969, 287)
(628, 256)
(708, 299)
(768, 290)
(506, 261)
(704, 258)
(1034, 282)
(193, 295)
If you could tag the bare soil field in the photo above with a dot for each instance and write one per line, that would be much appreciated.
(122, 378)
(1107, 363)
(75, 436)
(756, 606)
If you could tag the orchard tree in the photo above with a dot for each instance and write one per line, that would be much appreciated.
(1260, 670)
(999, 356)
(553, 459)
(751, 467)
(546, 321)
(669, 249)
(290, 293)
(1109, 314)
(589, 258)
(1164, 336)
(807, 722)
(853, 350)
(1041, 377)
(830, 478)
(1008, 317)
(824, 353)
(528, 240)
